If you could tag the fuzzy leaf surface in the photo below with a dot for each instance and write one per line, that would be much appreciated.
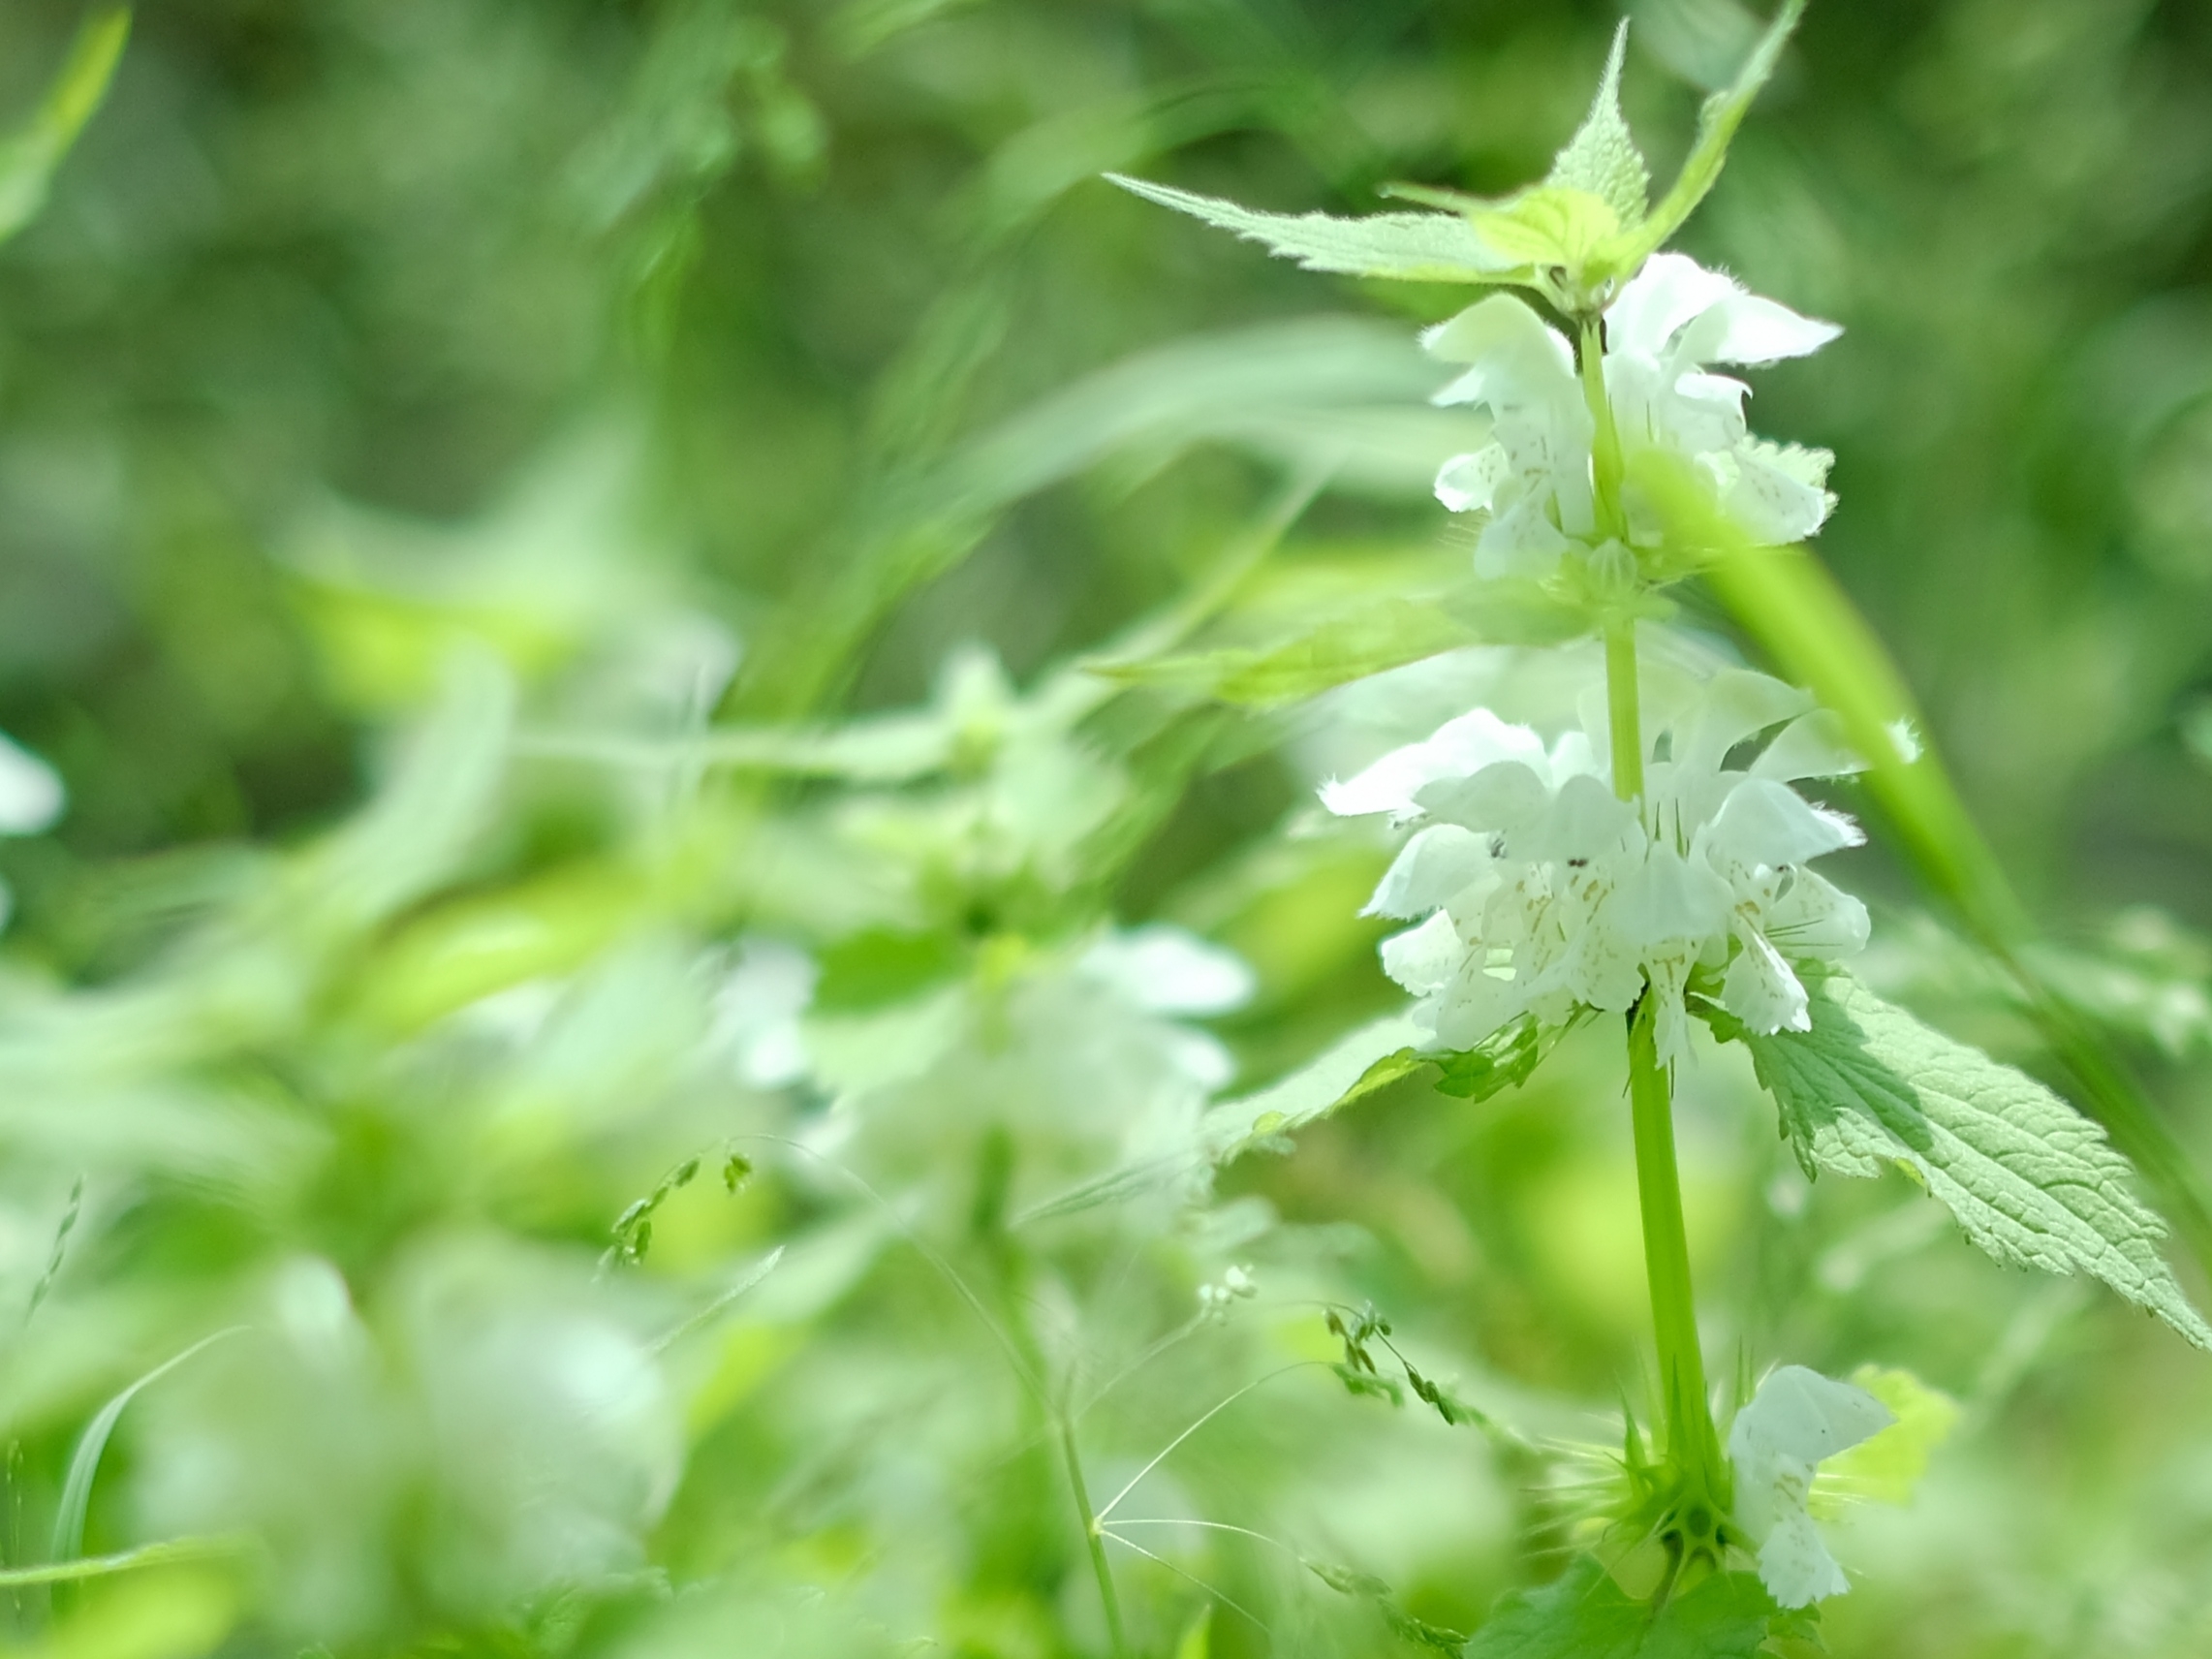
(1414, 247)
(1602, 157)
(2033, 1181)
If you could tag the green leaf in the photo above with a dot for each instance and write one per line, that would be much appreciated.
(29, 156)
(1717, 125)
(2033, 1181)
(1602, 157)
(1385, 635)
(84, 1463)
(1412, 247)
(1504, 1060)
(1370, 638)
(1354, 1065)
(1553, 224)
(1583, 1614)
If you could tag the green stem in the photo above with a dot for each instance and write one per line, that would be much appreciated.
(1691, 1441)
(1605, 437)
(1094, 1536)
(1620, 630)
(1621, 711)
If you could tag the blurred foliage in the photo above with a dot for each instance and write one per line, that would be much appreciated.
(559, 546)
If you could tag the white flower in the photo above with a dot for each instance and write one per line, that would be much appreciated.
(31, 794)
(1672, 321)
(1537, 890)
(1795, 1421)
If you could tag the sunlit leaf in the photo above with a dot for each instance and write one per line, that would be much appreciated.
(2031, 1182)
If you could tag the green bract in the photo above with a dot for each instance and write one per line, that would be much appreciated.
(1574, 238)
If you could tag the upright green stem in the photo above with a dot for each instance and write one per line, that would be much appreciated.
(994, 1176)
(1699, 1494)
(1621, 711)
(1604, 436)
(1620, 632)
(1094, 1536)
(1691, 1441)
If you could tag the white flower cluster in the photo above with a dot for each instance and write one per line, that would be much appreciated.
(1672, 319)
(1537, 890)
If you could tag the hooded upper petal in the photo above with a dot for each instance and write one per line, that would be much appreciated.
(1666, 294)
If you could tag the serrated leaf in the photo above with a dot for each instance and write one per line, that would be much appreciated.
(1716, 124)
(1412, 247)
(1583, 1614)
(1602, 157)
(2033, 1181)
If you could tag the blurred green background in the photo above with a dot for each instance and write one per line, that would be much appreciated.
(637, 371)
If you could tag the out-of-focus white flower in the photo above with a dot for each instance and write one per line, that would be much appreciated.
(1537, 890)
(31, 796)
(1672, 321)
(758, 1008)
(1797, 1419)
(1167, 971)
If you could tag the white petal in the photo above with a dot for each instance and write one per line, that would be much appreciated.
(1737, 703)
(1760, 989)
(1773, 496)
(1516, 358)
(1474, 1005)
(1469, 483)
(1520, 541)
(1799, 1414)
(1585, 822)
(1668, 898)
(1436, 865)
(31, 796)
(1508, 796)
(1762, 821)
(1815, 919)
(1796, 1566)
(1601, 969)
(1812, 747)
(1670, 291)
(1671, 1016)
(1459, 748)
(1745, 329)
(1424, 959)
